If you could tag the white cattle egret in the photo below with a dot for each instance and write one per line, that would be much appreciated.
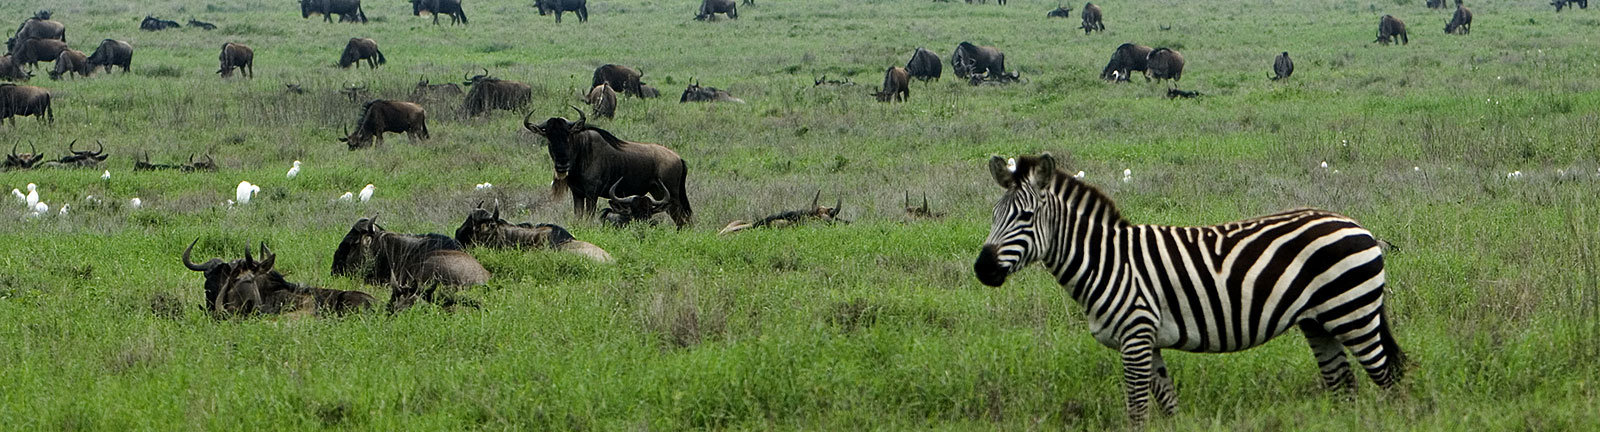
(64, 209)
(483, 186)
(1127, 175)
(33, 194)
(1078, 176)
(294, 170)
(106, 176)
(135, 203)
(1514, 175)
(1416, 169)
(347, 197)
(366, 192)
(41, 208)
(1324, 164)
(244, 192)
(21, 199)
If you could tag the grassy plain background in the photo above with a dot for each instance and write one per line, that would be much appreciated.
(873, 325)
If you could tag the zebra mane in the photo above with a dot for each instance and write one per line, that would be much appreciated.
(1067, 186)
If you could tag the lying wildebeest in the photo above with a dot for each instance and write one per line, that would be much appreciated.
(379, 116)
(1462, 20)
(709, 8)
(603, 100)
(896, 85)
(201, 24)
(355, 93)
(1163, 63)
(1128, 58)
(621, 78)
(1582, 4)
(359, 49)
(24, 100)
(994, 78)
(1175, 93)
(347, 10)
(245, 287)
(971, 59)
(923, 212)
(424, 89)
(825, 81)
(925, 65)
(79, 159)
(1282, 67)
(408, 262)
(490, 93)
(578, 7)
(236, 56)
(623, 210)
(1389, 28)
(209, 165)
(144, 164)
(32, 51)
(16, 161)
(695, 93)
(38, 27)
(485, 229)
(648, 92)
(1091, 19)
(1060, 12)
(451, 8)
(71, 61)
(205, 165)
(1435, 4)
(112, 52)
(10, 70)
(151, 23)
(816, 212)
(588, 159)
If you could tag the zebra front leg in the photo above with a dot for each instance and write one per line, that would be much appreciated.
(1161, 386)
(1137, 357)
(1336, 375)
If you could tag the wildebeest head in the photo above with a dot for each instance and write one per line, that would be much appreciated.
(469, 81)
(425, 87)
(623, 210)
(919, 212)
(84, 158)
(1060, 12)
(234, 288)
(352, 254)
(206, 165)
(11, 70)
(354, 93)
(23, 160)
(556, 130)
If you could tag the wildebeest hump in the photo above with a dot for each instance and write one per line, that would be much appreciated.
(925, 65)
(621, 78)
(112, 52)
(1128, 58)
(35, 28)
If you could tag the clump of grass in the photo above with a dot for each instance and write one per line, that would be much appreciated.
(680, 322)
(856, 314)
(160, 71)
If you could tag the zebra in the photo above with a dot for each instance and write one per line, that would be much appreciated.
(1219, 288)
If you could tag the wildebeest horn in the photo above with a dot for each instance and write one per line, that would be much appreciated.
(13, 149)
(612, 194)
(817, 198)
(526, 124)
(102, 148)
(908, 199)
(70, 144)
(838, 203)
(924, 202)
(480, 204)
(248, 261)
(267, 257)
(485, 72)
(191, 265)
(583, 119)
(496, 214)
(667, 197)
(466, 78)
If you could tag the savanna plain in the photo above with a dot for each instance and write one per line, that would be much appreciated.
(873, 324)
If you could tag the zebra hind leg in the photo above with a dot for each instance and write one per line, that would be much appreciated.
(1336, 375)
(1161, 386)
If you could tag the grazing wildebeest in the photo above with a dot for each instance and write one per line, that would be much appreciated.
(451, 8)
(71, 61)
(490, 93)
(925, 65)
(1091, 19)
(621, 78)
(695, 93)
(38, 27)
(1282, 67)
(896, 85)
(424, 89)
(603, 100)
(24, 100)
(816, 212)
(16, 161)
(10, 70)
(485, 229)
(1390, 27)
(1462, 20)
(244, 287)
(379, 116)
(410, 263)
(359, 49)
(709, 8)
(348, 10)
(32, 51)
(923, 212)
(623, 210)
(971, 59)
(201, 24)
(79, 159)
(578, 7)
(1128, 57)
(151, 23)
(236, 56)
(1060, 12)
(112, 52)
(588, 159)
(1582, 4)
(1163, 63)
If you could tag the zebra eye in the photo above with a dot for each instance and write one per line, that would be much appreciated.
(1026, 215)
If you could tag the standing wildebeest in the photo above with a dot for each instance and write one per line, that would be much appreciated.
(603, 100)
(579, 7)
(423, 89)
(588, 159)
(201, 24)
(32, 51)
(1128, 58)
(23, 100)
(38, 27)
(971, 60)
(348, 10)
(237, 56)
(817, 211)
(112, 52)
(15, 161)
(1282, 67)
(451, 8)
(359, 49)
(490, 93)
(71, 61)
(379, 116)
(1390, 27)
(1060, 12)
(407, 262)
(621, 78)
(896, 85)
(1162, 64)
(709, 8)
(10, 70)
(1582, 4)
(695, 93)
(486, 229)
(151, 23)
(1462, 20)
(925, 65)
(1091, 19)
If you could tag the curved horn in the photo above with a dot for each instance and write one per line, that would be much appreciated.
(526, 124)
(496, 214)
(485, 72)
(466, 78)
(102, 148)
(816, 198)
(583, 119)
(13, 149)
(908, 199)
(837, 204)
(70, 148)
(925, 202)
(248, 261)
(191, 265)
(667, 196)
(612, 194)
(267, 257)
(31, 148)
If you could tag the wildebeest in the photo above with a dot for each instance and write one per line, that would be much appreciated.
(1282, 67)
(71, 61)
(1060, 12)
(623, 210)
(603, 100)
(359, 49)
(816, 212)
(971, 59)
(10, 70)
(424, 89)
(1390, 27)
(201, 24)
(490, 93)
(823, 80)
(621, 78)
(923, 212)
(588, 159)
(1175, 94)
(79, 159)
(485, 229)
(1091, 19)
(994, 78)
(236, 56)
(38, 27)
(348, 10)
(151, 23)
(1582, 4)
(709, 8)
(1462, 20)
(247, 286)
(696, 93)
(579, 7)
(112, 52)
(1435, 4)
(16, 161)
(143, 164)
(648, 92)
(206, 165)
(24, 100)
(379, 116)
(32, 51)
(451, 8)
(925, 65)
(1164, 63)
(1128, 58)
(407, 262)
(355, 93)
(896, 85)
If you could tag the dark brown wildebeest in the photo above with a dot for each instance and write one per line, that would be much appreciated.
(237, 56)
(112, 52)
(450, 8)
(485, 229)
(621, 78)
(355, 93)
(79, 159)
(347, 10)
(245, 287)
(1091, 19)
(16, 161)
(201, 24)
(490, 93)
(588, 159)
(1282, 67)
(358, 49)
(412, 264)
(578, 7)
(971, 60)
(709, 8)
(10, 70)
(1462, 20)
(32, 51)
(1128, 58)
(896, 85)
(695, 93)
(1389, 28)
(603, 100)
(379, 116)
(923, 212)
(1060, 12)
(71, 61)
(925, 65)
(209, 165)
(1434, 4)
(1176, 94)
(648, 92)
(424, 90)
(1582, 4)
(143, 164)
(1163, 63)
(24, 100)
(623, 210)
(816, 212)
(151, 23)
(38, 27)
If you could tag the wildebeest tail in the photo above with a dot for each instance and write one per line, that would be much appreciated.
(461, 11)
(381, 58)
(682, 195)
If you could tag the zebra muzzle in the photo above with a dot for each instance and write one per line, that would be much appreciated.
(989, 269)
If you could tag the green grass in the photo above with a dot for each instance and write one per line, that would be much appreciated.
(878, 324)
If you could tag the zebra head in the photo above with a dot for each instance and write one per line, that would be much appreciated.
(1014, 240)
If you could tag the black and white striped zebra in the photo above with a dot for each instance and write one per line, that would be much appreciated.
(1217, 288)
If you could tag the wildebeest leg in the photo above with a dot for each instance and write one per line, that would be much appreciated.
(733, 12)
(583, 14)
(558, 15)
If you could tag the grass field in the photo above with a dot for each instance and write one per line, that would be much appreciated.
(875, 324)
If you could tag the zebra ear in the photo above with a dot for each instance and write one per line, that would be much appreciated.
(1003, 172)
(1044, 168)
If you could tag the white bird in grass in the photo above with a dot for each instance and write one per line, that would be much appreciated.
(483, 186)
(244, 192)
(366, 192)
(347, 197)
(1514, 175)
(33, 195)
(1078, 176)
(1127, 175)
(41, 209)
(135, 203)
(106, 176)
(64, 209)
(21, 199)
(294, 170)
(1324, 164)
